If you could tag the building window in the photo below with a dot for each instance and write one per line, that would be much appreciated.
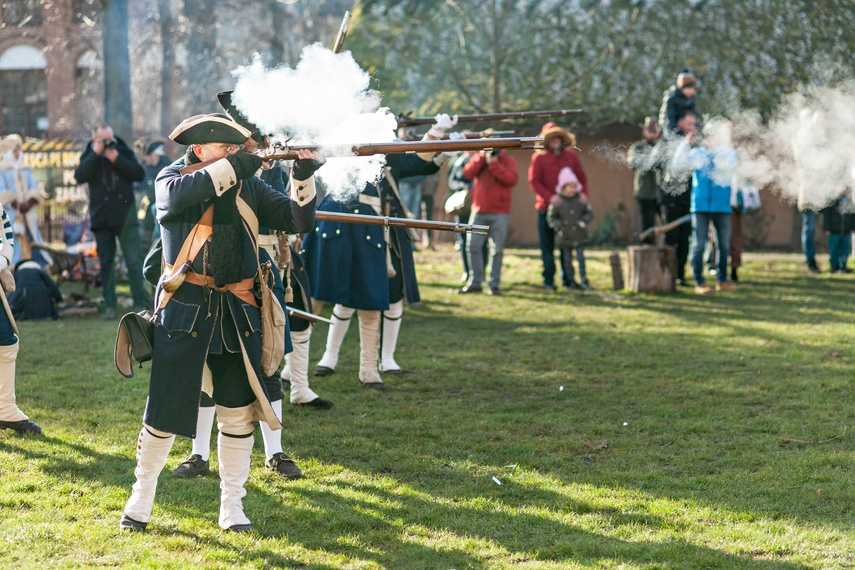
(22, 13)
(23, 91)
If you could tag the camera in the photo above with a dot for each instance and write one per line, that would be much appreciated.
(108, 143)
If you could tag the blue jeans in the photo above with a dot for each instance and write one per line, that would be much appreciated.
(808, 230)
(105, 242)
(839, 248)
(547, 252)
(568, 263)
(498, 233)
(700, 229)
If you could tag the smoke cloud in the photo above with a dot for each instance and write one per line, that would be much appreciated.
(324, 100)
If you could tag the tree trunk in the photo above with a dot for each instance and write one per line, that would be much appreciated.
(277, 42)
(117, 69)
(652, 269)
(167, 72)
(202, 69)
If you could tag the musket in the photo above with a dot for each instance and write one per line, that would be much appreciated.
(311, 317)
(404, 121)
(479, 135)
(387, 221)
(288, 152)
(342, 33)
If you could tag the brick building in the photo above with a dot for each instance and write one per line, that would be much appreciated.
(48, 63)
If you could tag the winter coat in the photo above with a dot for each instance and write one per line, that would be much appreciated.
(492, 183)
(543, 174)
(674, 104)
(564, 219)
(18, 185)
(712, 176)
(838, 218)
(643, 160)
(347, 263)
(111, 185)
(36, 294)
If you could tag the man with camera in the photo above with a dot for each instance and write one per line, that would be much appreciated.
(494, 174)
(109, 167)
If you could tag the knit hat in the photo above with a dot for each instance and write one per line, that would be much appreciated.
(552, 129)
(566, 176)
(686, 79)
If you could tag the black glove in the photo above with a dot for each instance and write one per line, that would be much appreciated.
(304, 168)
(245, 164)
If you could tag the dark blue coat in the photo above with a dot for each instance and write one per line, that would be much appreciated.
(200, 321)
(346, 263)
(35, 296)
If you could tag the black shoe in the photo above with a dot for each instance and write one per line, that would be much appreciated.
(495, 291)
(285, 466)
(585, 285)
(573, 286)
(813, 268)
(318, 403)
(323, 371)
(683, 283)
(734, 275)
(23, 426)
(240, 528)
(193, 466)
(470, 289)
(127, 523)
(549, 287)
(845, 270)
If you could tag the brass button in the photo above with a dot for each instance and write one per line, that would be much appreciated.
(194, 334)
(246, 333)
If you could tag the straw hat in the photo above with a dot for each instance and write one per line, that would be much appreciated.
(552, 129)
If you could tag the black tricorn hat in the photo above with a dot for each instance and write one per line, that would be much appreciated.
(225, 99)
(213, 128)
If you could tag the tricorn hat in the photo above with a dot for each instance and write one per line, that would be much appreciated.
(552, 129)
(225, 99)
(213, 128)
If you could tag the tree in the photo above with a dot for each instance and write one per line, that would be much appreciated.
(117, 68)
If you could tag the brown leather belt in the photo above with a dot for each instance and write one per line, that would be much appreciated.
(242, 289)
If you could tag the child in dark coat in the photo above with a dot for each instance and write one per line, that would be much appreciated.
(569, 220)
(838, 222)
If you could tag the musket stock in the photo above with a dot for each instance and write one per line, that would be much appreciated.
(404, 121)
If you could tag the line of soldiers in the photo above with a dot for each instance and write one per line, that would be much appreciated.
(207, 334)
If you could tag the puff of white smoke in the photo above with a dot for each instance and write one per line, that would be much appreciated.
(325, 100)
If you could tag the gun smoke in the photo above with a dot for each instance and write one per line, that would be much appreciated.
(805, 152)
(325, 100)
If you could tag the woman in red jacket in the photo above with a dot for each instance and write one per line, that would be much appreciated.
(542, 178)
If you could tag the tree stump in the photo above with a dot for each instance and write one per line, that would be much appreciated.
(652, 269)
(617, 271)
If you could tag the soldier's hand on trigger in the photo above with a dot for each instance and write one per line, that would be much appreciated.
(307, 163)
(244, 164)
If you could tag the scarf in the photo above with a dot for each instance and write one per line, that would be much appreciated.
(225, 253)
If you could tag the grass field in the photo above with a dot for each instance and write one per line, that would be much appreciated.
(698, 398)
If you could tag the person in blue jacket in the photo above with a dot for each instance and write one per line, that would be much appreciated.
(366, 269)
(712, 163)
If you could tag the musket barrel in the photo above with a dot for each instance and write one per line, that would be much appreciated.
(400, 222)
(406, 147)
(342, 33)
(508, 116)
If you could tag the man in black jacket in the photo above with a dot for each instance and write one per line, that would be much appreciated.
(109, 167)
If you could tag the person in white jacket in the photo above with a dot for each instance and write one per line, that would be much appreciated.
(19, 195)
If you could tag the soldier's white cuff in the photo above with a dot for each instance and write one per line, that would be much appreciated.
(303, 190)
(222, 175)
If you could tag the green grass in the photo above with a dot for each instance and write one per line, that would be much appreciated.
(694, 396)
